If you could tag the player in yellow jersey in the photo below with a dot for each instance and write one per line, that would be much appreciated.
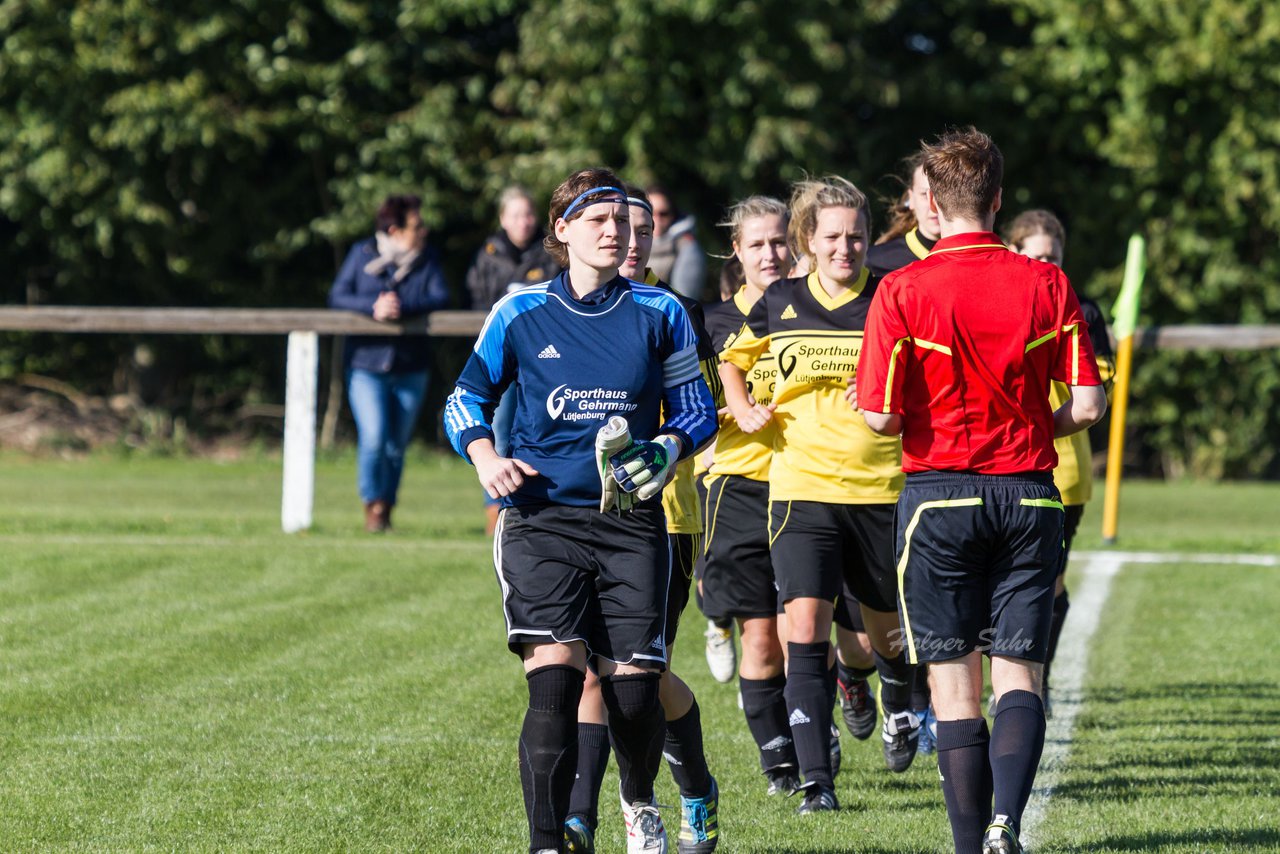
(1039, 234)
(737, 575)
(699, 795)
(832, 481)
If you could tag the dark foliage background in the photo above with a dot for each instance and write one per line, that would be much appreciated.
(226, 153)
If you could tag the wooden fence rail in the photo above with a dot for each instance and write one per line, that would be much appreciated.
(304, 326)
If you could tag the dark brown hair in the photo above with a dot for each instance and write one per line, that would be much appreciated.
(1030, 223)
(394, 211)
(965, 169)
(731, 277)
(582, 181)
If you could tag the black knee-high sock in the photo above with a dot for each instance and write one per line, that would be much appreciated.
(896, 678)
(593, 761)
(765, 708)
(847, 674)
(1017, 740)
(966, 780)
(920, 696)
(636, 729)
(810, 705)
(1061, 605)
(683, 750)
(549, 751)
(833, 676)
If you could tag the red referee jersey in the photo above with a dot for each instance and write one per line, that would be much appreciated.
(962, 345)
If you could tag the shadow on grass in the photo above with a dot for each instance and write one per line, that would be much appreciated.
(1176, 742)
(1205, 839)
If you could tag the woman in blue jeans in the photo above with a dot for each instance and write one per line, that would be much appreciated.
(391, 276)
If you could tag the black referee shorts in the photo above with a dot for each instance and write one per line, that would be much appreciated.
(685, 549)
(1070, 524)
(977, 560)
(816, 547)
(737, 575)
(576, 574)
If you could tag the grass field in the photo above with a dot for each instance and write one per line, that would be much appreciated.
(175, 674)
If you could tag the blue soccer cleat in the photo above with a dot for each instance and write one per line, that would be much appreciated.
(578, 838)
(700, 822)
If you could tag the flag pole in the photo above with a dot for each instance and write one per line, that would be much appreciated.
(1125, 316)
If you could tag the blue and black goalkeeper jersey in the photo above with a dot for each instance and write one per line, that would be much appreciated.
(625, 350)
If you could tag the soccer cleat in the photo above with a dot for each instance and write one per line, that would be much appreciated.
(645, 833)
(700, 823)
(817, 799)
(928, 731)
(783, 780)
(1000, 837)
(577, 837)
(835, 753)
(858, 708)
(901, 734)
(722, 655)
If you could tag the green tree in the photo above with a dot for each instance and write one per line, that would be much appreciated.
(1182, 105)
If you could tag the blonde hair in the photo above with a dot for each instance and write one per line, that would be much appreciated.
(750, 208)
(811, 196)
(510, 194)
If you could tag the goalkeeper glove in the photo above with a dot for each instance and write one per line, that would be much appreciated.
(644, 468)
(613, 437)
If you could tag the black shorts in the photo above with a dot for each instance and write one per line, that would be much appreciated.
(1070, 524)
(848, 613)
(576, 574)
(977, 560)
(737, 575)
(816, 547)
(701, 483)
(685, 549)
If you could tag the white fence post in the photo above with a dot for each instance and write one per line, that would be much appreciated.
(302, 367)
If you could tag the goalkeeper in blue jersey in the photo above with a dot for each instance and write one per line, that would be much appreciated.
(578, 583)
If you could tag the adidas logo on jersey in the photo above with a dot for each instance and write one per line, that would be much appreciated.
(788, 313)
(549, 352)
(798, 717)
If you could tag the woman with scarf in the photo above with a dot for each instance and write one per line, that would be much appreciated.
(391, 276)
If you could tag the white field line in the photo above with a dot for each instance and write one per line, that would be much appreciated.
(1175, 557)
(206, 542)
(1070, 665)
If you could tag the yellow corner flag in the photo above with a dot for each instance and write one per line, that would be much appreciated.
(1124, 321)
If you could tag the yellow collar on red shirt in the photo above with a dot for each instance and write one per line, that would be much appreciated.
(968, 240)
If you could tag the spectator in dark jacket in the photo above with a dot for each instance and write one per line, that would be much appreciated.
(677, 258)
(509, 260)
(514, 257)
(391, 276)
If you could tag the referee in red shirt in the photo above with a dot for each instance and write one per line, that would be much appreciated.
(959, 351)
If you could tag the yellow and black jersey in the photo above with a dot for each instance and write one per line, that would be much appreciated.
(742, 454)
(680, 497)
(884, 258)
(1074, 473)
(823, 450)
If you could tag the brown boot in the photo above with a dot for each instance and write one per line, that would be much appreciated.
(385, 515)
(491, 512)
(374, 520)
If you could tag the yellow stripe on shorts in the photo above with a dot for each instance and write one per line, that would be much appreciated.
(906, 553)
